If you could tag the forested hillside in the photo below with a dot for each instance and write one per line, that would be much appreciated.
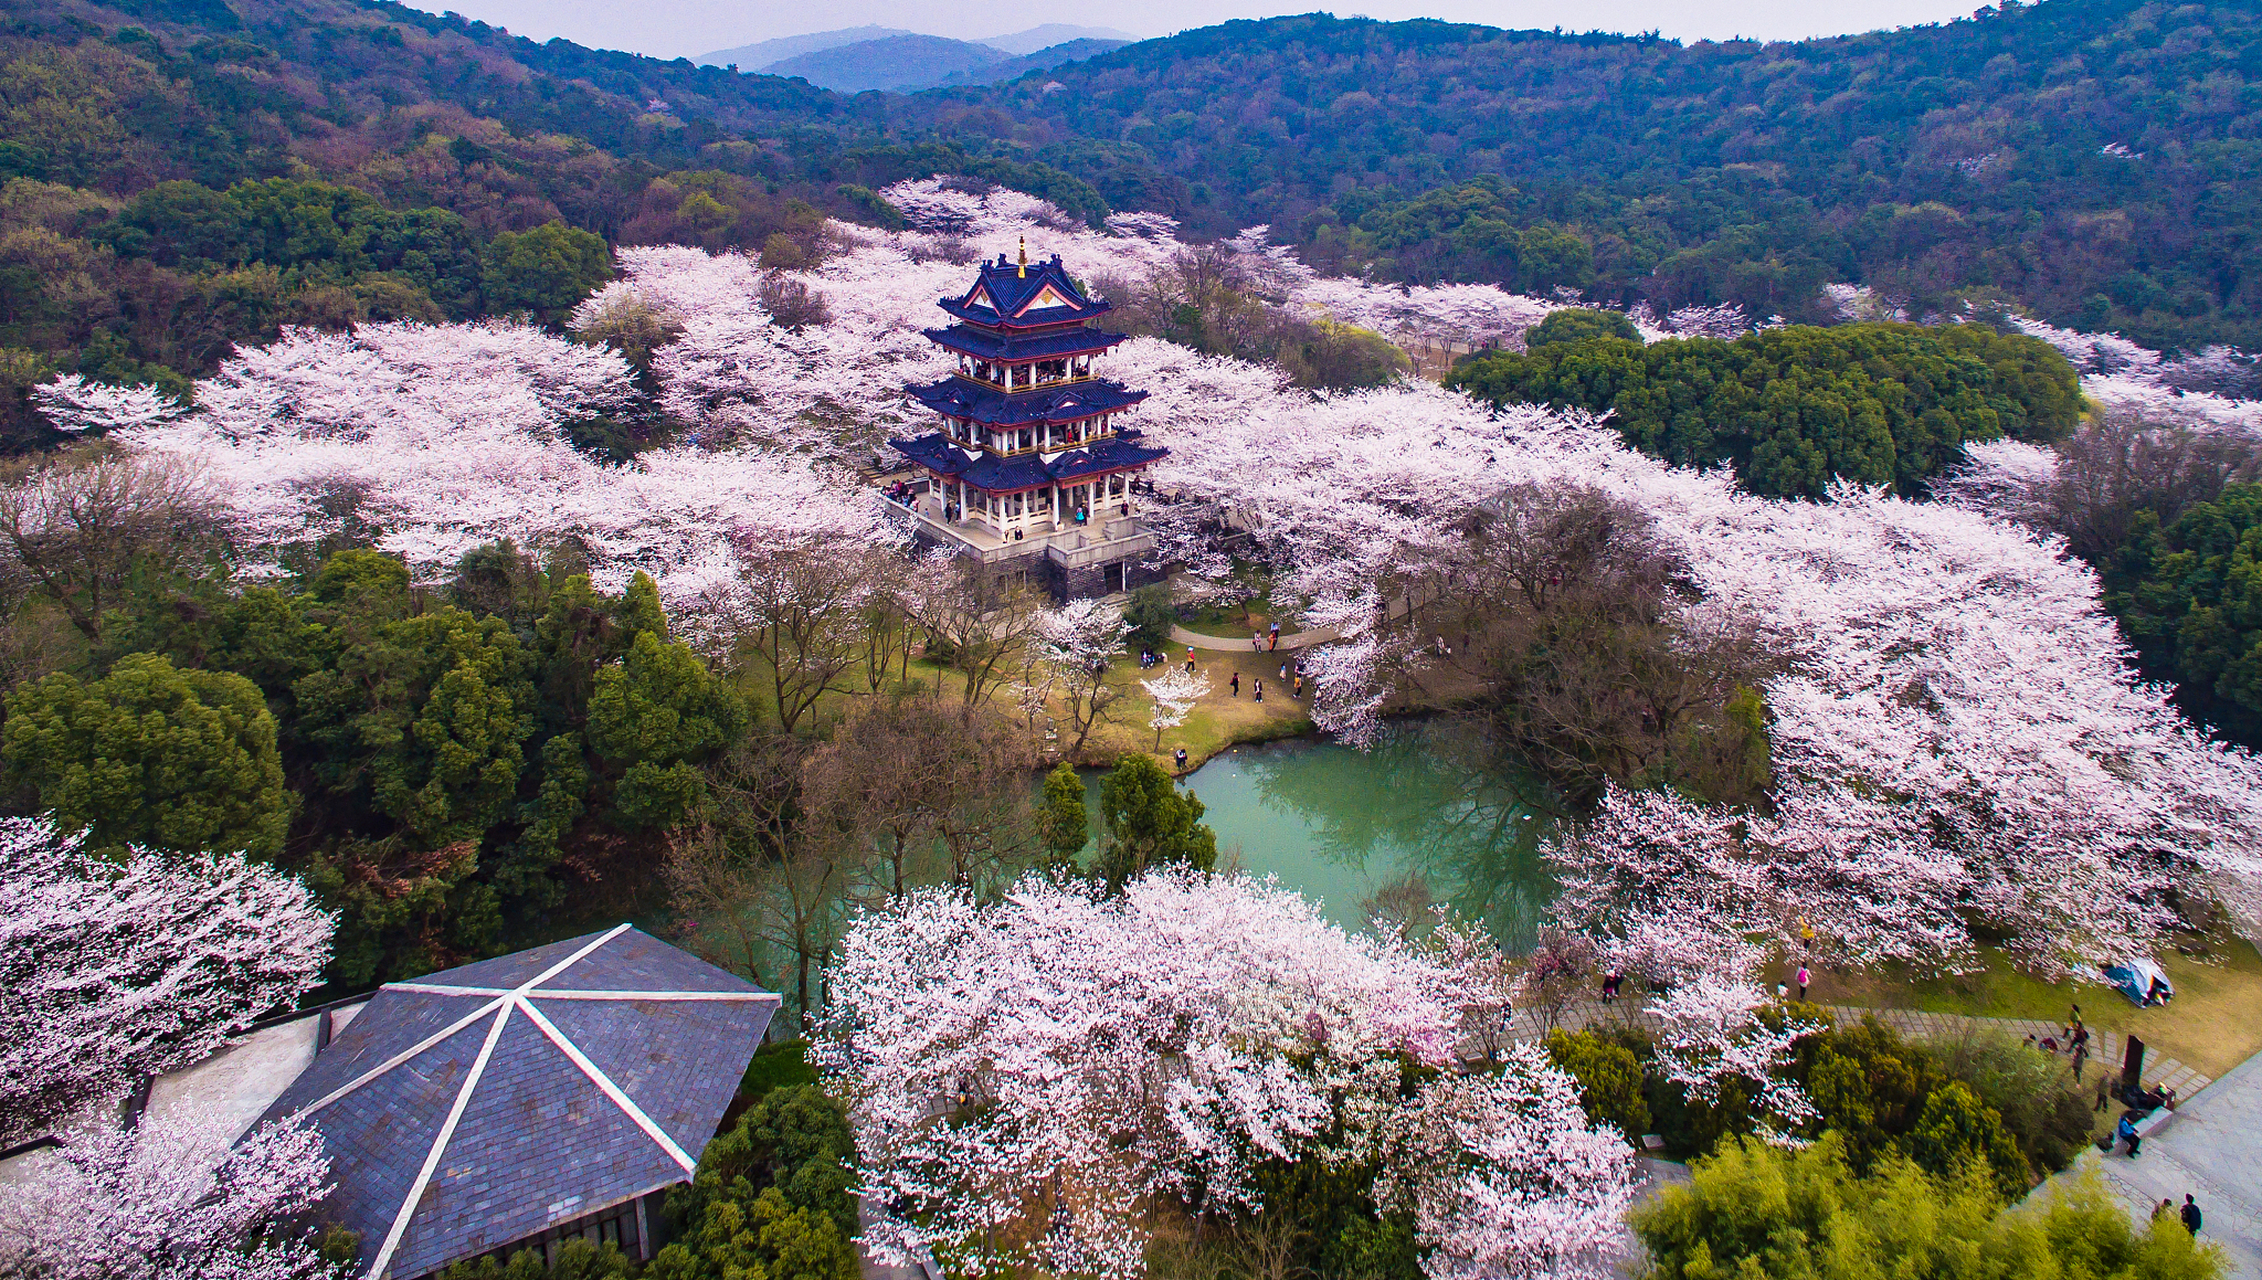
(2096, 159)
(185, 177)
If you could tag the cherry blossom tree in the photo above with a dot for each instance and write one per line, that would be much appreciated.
(1558, 969)
(1485, 977)
(2217, 385)
(1709, 1031)
(1022, 1078)
(1864, 873)
(1078, 642)
(117, 972)
(1507, 1177)
(1353, 681)
(75, 404)
(433, 440)
(1724, 321)
(1859, 302)
(170, 1199)
(1174, 694)
(2007, 478)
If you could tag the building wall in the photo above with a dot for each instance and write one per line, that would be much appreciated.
(1061, 582)
(635, 1226)
(1086, 581)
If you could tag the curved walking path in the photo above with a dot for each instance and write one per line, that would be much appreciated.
(1397, 608)
(1301, 640)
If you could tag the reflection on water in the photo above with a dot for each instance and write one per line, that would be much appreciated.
(1425, 817)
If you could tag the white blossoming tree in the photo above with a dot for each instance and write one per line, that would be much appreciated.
(1076, 643)
(1174, 694)
(170, 1199)
(119, 971)
(1024, 1079)
(75, 404)
(1506, 1177)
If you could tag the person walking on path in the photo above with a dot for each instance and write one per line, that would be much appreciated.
(1260, 685)
(1804, 978)
(1275, 634)
(2165, 1207)
(2080, 1054)
(2190, 1213)
(1236, 682)
(1256, 642)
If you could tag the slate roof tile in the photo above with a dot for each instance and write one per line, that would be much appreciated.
(536, 1130)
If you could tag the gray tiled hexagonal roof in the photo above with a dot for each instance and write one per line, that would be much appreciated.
(476, 1107)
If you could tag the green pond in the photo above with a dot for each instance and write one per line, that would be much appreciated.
(1393, 829)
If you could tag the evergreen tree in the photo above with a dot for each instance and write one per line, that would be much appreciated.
(1580, 324)
(1957, 1131)
(152, 755)
(654, 717)
(1754, 1212)
(546, 270)
(1794, 408)
(1062, 820)
(770, 1198)
(1148, 822)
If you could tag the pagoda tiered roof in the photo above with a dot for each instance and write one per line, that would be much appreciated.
(1048, 344)
(1062, 403)
(1015, 472)
(1013, 296)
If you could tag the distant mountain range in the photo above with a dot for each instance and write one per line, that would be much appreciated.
(1051, 34)
(2094, 160)
(760, 55)
(856, 59)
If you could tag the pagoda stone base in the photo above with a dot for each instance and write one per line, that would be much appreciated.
(1068, 565)
(1083, 582)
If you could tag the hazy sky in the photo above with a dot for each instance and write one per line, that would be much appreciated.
(672, 28)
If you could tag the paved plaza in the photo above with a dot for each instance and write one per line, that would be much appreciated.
(2212, 1148)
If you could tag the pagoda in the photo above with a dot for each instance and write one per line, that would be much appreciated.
(1032, 469)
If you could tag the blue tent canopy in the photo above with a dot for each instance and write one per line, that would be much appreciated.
(2141, 979)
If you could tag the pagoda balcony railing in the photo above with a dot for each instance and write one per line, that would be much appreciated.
(1034, 386)
(1095, 542)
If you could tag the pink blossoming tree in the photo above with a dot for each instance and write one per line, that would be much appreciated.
(1023, 1078)
(120, 971)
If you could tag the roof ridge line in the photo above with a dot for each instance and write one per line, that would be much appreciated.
(618, 1096)
(448, 1032)
(440, 1143)
(571, 993)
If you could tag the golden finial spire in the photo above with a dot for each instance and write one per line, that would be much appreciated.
(1024, 257)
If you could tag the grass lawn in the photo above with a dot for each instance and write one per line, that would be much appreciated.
(1216, 722)
(2213, 1024)
(1235, 621)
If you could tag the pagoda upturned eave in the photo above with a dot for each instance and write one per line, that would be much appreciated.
(985, 342)
(1015, 473)
(1073, 402)
(1039, 319)
(1024, 295)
